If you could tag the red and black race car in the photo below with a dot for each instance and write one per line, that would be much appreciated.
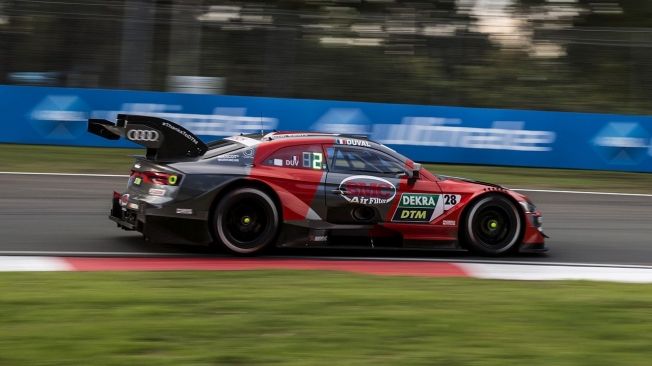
(307, 189)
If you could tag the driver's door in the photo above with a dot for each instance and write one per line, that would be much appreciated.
(364, 185)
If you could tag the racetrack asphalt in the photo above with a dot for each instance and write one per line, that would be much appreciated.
(67, 215)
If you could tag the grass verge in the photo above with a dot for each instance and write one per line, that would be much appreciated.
(317, 318)
(117, 161)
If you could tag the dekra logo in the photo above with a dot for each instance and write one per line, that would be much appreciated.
(421, 200)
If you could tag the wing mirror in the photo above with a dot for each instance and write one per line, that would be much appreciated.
(413, 174)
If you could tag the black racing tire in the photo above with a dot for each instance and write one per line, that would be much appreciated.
(493, 226)
(246, 221)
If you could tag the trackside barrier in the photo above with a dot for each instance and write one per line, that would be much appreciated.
(57, 116)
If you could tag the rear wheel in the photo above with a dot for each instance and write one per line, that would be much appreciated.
(246, 221)
(493, 226)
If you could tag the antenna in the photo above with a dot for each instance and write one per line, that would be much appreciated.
(262, 132)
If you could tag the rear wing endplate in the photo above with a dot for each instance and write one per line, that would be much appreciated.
(164, 140)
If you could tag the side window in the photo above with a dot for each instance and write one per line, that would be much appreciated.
(299, 157)
(350, 159)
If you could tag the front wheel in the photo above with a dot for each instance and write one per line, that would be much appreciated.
(246, 221)
(493, 226)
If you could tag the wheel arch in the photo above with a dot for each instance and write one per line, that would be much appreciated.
(501, 193)
(243, 183)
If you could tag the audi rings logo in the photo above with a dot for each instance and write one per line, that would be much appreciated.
(143, 135)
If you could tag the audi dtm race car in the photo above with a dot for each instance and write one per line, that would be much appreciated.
(306, 189)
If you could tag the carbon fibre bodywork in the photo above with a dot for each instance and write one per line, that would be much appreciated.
(324, 192)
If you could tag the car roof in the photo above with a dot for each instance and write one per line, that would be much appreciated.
(280, 139)
(301, 134)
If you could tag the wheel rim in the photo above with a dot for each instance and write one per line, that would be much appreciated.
(494, 225)
(245, 222)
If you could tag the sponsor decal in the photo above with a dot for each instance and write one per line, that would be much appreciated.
(449, 223)
(416, 207)
(184, 211)
(249, 153)
(367, 190)
(624, 143)
(137, 166)
(138, 180)
(157, 192)
(234, 158)
(61, 117)
(124, 199)
(352, 142)
(294, 162)
(449, 132)
(181, 132)
(278, 162)
(143, 135)
(424, 207)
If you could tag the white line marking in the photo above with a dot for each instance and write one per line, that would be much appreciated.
(361, 258)
(535, 272)
(481, 261)
(584, 192)
(556, 273)
(67, 174)
(32, 264)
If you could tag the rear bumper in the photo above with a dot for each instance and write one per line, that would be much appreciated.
(156, 223)
(125, 218)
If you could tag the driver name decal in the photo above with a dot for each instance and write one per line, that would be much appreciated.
(353, 142)
(367, 190)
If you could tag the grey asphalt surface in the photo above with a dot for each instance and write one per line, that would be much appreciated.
(43, 214)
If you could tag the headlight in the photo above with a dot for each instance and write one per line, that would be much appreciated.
(528, 206)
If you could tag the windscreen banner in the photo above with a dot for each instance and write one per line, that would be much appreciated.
(58, 116)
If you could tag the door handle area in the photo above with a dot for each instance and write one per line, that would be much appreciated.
(340, 192)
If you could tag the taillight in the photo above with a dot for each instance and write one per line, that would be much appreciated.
(159, 178)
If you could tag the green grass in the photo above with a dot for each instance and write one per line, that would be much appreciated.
(317, 318)
(118, 161)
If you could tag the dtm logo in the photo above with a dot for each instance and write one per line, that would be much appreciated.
(365, 189)
(143, 135)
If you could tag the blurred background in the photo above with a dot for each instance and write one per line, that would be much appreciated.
(570, 55)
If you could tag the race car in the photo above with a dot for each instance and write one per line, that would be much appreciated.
(251, 192)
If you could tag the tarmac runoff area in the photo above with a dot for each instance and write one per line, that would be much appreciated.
(59, 222)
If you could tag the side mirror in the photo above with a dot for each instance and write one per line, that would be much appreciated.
(413, 174)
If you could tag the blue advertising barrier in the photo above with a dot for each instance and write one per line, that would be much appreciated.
(57, 116)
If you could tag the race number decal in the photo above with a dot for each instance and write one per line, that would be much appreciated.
(450, 200)
(313, 160)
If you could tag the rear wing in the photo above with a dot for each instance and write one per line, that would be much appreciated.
(164, 140)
